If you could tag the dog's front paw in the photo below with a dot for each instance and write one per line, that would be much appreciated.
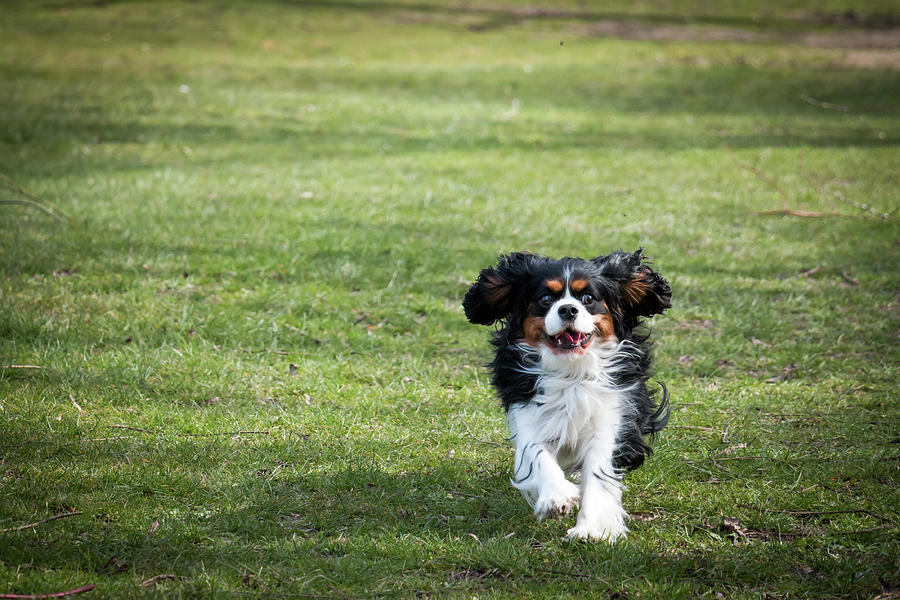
(608, 532)
(557, 503)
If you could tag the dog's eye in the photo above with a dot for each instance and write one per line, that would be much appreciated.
(546, 300)
(587, 299)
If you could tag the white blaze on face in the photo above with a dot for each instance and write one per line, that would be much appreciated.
(557, 320)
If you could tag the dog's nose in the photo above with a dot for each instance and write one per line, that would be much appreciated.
(567, 312)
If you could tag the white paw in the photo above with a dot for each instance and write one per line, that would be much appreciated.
(609, 532)
(558, 502)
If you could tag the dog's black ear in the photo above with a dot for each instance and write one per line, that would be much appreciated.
(643, 291)
(492, 296)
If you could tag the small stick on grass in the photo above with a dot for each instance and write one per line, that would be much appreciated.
(808, 272)
(158, 578)
(837, 194)
(160, 431)
(78, 406)
(788, 212)
(848, 279)
(825, 105)
(30, 200)
(80, 590)
(759, 174)
(232, 433)
(129, 428)
(30, 525)
(785, 211)
(22, 367)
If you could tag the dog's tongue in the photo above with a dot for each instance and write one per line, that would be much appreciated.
(572, 338)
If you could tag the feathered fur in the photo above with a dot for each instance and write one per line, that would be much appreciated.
(571, 365)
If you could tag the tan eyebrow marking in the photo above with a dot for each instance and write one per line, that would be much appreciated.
(554, 285)
(579, 284)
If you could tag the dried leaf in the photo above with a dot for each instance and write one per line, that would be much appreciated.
(112, 566)
(731, 449)
(733, 526)
(785, 374)
(644, 517)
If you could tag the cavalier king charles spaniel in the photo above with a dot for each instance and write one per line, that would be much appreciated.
(571, 366)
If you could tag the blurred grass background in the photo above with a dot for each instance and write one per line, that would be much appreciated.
(276, 209)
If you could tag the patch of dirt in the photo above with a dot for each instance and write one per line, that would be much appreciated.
(883, 39)
(871, 59)
(872, 40)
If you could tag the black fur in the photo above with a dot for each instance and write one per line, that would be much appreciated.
(630, 289)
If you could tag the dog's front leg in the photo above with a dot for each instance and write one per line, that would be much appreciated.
(601, 516)
(537, 474)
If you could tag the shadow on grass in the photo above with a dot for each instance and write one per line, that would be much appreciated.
(450, 524)
(714, 96)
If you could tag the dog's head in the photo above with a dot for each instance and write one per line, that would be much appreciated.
(567, 304)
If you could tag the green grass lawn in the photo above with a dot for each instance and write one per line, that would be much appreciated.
(255, 377)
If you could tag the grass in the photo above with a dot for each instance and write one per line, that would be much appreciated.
(277, 208)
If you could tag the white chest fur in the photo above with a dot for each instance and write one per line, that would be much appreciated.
(571, 414)
(577, 399)
(572, 422)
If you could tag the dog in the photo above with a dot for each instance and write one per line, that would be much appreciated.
(571, 366)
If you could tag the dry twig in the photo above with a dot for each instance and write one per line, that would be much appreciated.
(764, 178)
(790, 212)
(232, 433)
(820, 189)
(30, 525)
(793, 212)
(129, 428)
(80, 590)
(30, 200)
(809, 272)
(848, 279)
(78, 406)
(158, 578)
(825, 105)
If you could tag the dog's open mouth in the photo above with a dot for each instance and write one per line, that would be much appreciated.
(570, 340)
